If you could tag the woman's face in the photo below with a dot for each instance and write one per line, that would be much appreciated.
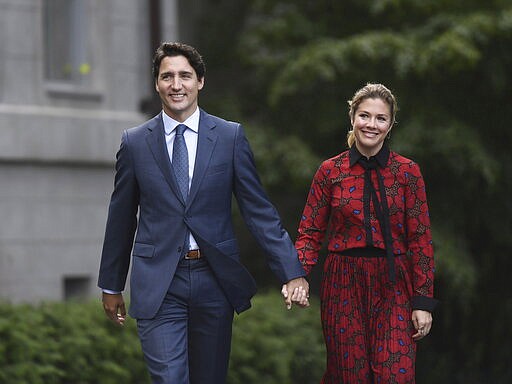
(371, 124)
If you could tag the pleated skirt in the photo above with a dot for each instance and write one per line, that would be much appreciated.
(366, 321)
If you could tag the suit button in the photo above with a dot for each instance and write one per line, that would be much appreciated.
(179, 249)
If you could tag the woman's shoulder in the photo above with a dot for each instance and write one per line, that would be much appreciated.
(333, 166)
(337, 159)
(403, 163)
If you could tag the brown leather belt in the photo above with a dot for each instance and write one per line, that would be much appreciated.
(193, 254)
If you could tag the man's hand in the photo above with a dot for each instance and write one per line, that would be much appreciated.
(296, 291)
(113, 304)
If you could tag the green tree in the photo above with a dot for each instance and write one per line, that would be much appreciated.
(296, 63)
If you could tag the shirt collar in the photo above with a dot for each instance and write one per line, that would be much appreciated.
(382, 156)
(192, 122)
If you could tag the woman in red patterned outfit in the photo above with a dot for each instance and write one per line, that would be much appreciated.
(377, 285)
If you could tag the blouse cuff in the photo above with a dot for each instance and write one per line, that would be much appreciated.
(424, 303)
(307, 269)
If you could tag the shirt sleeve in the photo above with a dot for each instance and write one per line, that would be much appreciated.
(314, 220)
(110, 292)
(419, 240)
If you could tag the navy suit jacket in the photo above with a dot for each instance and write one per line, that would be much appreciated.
(148, 218)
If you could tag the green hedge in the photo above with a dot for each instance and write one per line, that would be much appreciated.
(67, 343)
(272, 345)
(74, 343)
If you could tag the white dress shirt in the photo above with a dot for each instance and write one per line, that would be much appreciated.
(190, 136)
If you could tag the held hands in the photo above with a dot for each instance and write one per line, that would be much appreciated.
(113, 304)
(296, 291)
(422, 321)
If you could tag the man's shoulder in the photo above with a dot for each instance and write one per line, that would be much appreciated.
(217, 121)
(145, 126)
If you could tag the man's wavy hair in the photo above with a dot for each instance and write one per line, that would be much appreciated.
(172, 49)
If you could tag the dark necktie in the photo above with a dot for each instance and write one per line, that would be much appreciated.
(381, 210)
(180, 160)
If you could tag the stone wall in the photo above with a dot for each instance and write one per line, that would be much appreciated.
(58, 143)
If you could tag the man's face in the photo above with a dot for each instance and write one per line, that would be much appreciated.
(178, 87)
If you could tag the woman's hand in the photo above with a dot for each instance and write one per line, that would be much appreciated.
(422, 321)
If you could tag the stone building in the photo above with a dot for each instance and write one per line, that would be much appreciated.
(73, 75)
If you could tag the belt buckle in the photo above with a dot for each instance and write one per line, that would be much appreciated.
(193, 254)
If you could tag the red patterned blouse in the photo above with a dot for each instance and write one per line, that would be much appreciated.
(335, 205)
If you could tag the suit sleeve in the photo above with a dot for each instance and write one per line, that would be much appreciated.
(261, 216)
(121, 223)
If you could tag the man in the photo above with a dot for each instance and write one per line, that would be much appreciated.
(175, 177)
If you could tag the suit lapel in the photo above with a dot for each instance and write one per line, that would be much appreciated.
(158, 147)
(205, 144)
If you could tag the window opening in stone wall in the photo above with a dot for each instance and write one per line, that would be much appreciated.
(76, 287)
(67, 57)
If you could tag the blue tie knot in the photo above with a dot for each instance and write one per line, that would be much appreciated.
(180, 129)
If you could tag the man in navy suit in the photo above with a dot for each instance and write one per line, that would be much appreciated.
(186, 279)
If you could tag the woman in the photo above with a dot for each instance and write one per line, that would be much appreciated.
(377, 286)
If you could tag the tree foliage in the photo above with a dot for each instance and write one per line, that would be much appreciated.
(294, 63)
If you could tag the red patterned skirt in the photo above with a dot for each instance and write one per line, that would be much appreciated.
(366, 321)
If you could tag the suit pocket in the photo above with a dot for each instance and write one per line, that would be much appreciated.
(220, 168)
(143, 250)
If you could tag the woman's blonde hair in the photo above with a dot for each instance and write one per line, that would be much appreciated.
(370, 91)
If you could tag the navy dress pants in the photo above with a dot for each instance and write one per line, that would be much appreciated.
(189, 339)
